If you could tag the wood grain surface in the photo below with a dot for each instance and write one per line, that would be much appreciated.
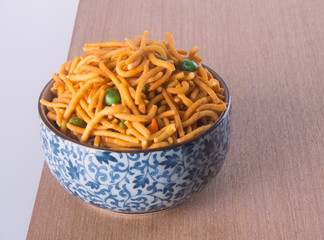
(271, 186)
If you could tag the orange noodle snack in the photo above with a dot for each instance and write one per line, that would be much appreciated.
(134, 95)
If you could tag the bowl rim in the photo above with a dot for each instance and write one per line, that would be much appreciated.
(223, 84)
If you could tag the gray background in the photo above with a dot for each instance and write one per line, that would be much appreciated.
(34, 41)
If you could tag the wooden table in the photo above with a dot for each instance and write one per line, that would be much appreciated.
(271, 186)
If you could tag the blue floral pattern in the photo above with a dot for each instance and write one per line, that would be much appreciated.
(136, 182)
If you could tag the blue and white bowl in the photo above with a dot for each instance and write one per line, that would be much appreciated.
(140, 181)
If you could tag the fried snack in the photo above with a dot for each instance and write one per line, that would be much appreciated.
(134, 95)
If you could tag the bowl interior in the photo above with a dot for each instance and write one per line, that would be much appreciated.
(48, 95)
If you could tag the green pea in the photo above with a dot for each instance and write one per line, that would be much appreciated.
(112, 96)
(188, 65)
(122, 124)
(78, 122)
(161, 58)
(145, 88)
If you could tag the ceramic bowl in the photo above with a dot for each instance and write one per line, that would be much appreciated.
(140, 181)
